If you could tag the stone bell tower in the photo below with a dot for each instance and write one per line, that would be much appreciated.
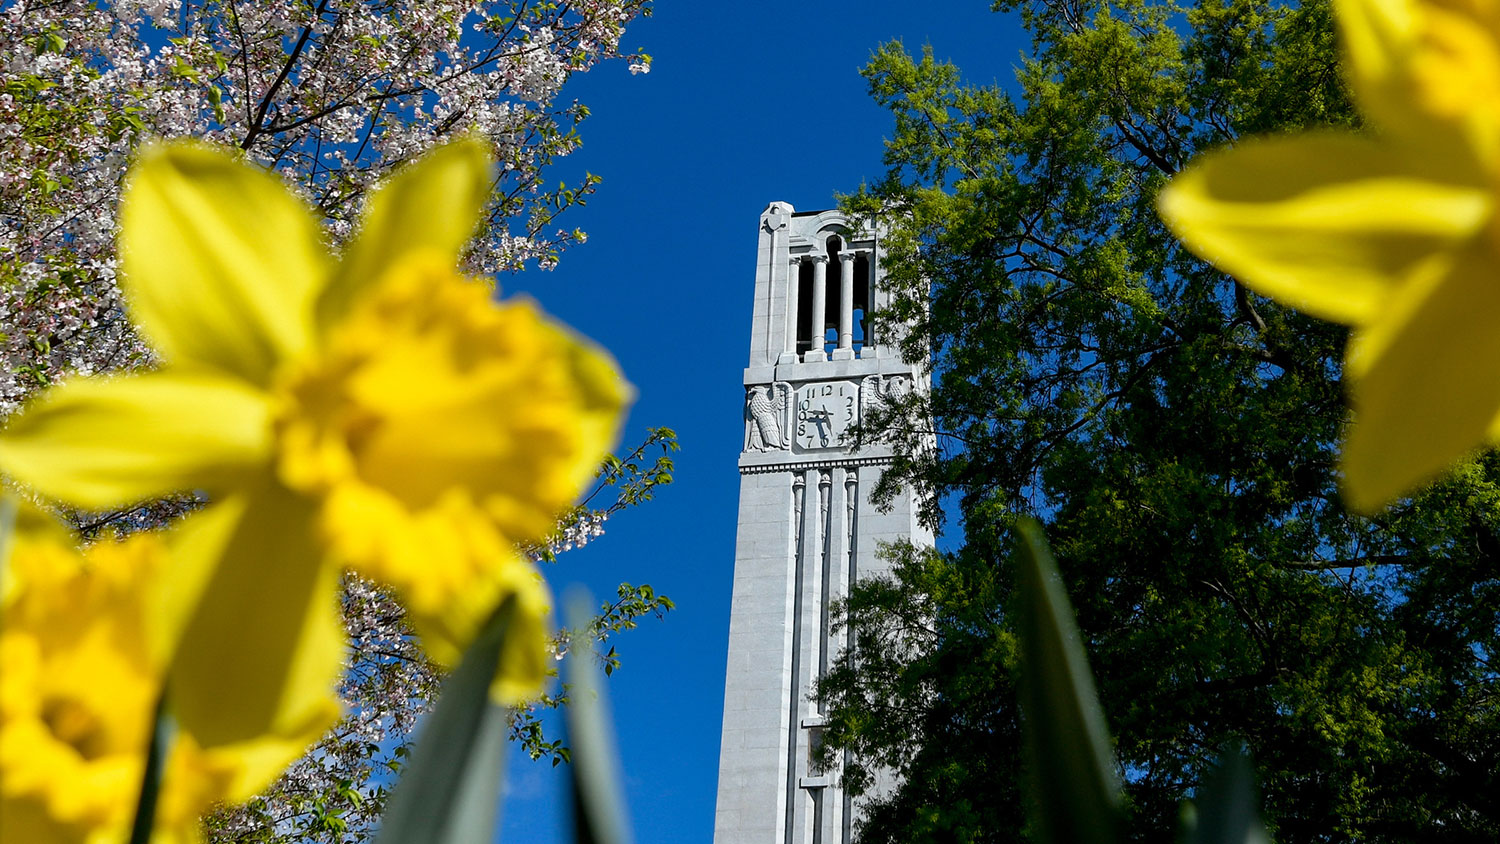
(807, 527)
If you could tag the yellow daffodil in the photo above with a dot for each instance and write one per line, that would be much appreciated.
(1393, 233)
(79, 680)
(378, 412)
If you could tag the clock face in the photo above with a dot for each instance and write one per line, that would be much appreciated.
(824, 412)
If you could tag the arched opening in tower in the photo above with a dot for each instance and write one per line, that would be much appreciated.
(861, 303)
(804, 307)
(832, 247)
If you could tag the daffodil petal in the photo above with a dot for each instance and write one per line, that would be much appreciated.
(523, 658)
(1424, 385)
(1378, 38)
(452, 569)
(1328, 224)
(251, 623)
(433, 205)
(26, 532)
(247, 767)
(603, 395)
(1428, 74)
(522, 668)
(219, 260)
(106, 442)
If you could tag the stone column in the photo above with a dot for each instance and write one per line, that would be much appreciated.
(819, 307)
(794, 282)
(845, 350)
(806, 607)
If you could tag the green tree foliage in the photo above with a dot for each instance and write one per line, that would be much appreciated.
(1177, 436)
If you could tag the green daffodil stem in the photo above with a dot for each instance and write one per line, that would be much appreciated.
(1075, 788)
(450, 794)
(598, 805)
(156, 755)
(1226, 808)
(7, 527)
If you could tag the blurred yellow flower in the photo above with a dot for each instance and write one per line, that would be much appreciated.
(79, 679)
(379, 412)
(1392, 233)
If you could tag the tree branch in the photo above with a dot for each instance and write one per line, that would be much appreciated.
(1351, 563)
(1242, 301)
(255, 130)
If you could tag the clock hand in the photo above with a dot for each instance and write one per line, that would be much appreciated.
(823, 419)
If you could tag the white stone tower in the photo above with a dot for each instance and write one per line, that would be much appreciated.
(807, 527)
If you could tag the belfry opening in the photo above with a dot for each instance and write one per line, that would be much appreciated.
(833, 301)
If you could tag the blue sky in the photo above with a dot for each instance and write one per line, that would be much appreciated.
(745, 104)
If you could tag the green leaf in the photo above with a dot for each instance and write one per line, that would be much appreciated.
(598, 806)
(1226, 810)
(7, 526)
(156, 755)
(1075, 789)
(450, 791)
